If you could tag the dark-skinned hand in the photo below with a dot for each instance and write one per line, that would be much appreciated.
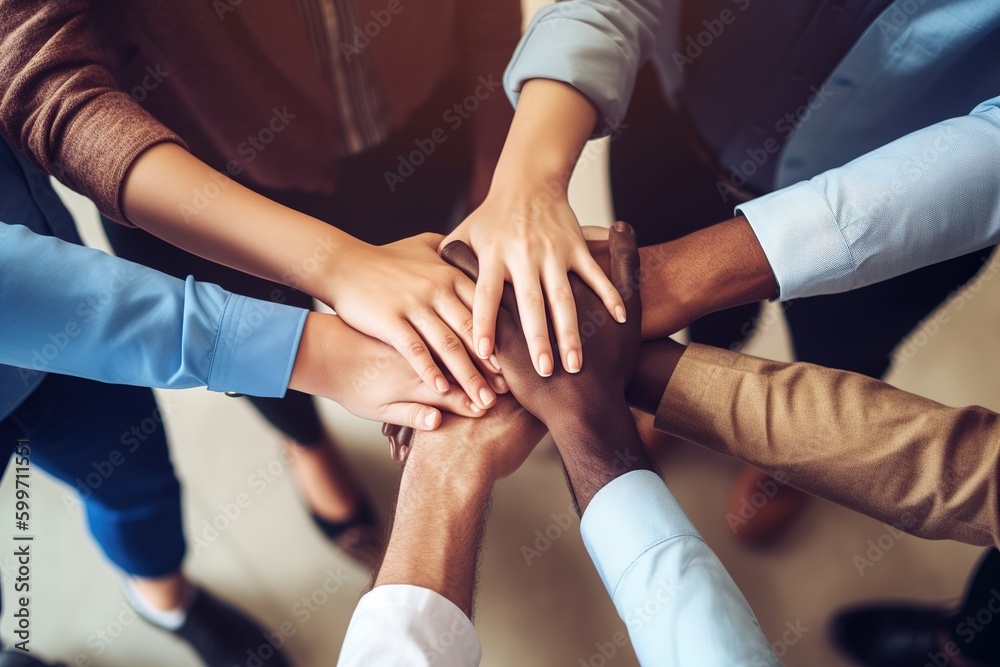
(610, 349)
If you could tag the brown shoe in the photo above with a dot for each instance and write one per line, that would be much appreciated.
(761, 507)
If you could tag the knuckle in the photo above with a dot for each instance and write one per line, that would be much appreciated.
(451, 343)
(467, 329)
(415, 349)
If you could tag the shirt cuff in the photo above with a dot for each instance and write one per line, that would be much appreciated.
(401, 624)
(626, 518)
(578, 53)
(802, 240)
(256, 346)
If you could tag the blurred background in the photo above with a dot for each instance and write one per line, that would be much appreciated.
(541, 602)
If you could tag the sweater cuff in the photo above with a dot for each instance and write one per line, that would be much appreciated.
(256, 347)
(112, 137)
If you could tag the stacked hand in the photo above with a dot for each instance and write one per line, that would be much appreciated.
(586, 412)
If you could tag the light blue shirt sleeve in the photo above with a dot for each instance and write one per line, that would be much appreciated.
(78, 311)
(677, 600)
(927, 197)
(595, 46)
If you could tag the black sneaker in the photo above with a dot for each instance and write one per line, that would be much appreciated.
(224, 636)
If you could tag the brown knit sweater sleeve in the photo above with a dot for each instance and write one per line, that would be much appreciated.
(61, 107)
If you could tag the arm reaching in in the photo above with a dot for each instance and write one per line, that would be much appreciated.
(425, 586)
(525, 232)
(78, 311)
(642, 544)
(61, 106)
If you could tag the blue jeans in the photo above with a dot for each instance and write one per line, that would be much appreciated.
(108, 443)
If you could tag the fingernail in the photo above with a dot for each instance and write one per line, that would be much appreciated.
(441, 385)
(475, 408)
(545, 364)
(484, 347)
(621, 226)
(429, 419)
(486, 396)
(573, 361)
(620, 314)
(500, 385)
(495, 362)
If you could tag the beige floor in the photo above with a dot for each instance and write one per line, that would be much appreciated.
(552, 612)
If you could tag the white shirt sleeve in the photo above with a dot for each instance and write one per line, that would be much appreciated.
(409, 626)
(678, 602)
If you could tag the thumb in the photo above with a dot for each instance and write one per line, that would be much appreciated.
(624, 251)
(412, 415)
(460, 255)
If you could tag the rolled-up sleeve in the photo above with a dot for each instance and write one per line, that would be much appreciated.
(78, 311)
(595, 46)
(927, 197)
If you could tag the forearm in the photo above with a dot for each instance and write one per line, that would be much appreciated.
(920, 466)
(173, 195)
(79, 311)
(550, 128)
(916, 201)
(437, 531)
(597, 449)
(709, 270)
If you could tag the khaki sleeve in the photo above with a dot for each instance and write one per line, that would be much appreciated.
(61, 107)
(920, 466)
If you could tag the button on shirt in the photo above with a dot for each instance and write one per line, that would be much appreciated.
(678, 602)
(894, 164)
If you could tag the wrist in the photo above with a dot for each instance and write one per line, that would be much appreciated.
(318, 364)
(596, 449)
(436, 470)
(330, 266)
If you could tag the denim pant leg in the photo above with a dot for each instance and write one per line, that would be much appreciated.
(108, 443)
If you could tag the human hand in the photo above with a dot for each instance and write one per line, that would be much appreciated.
(533, 242)
(404, 294)
(369, 378)
(611, 347)
(487, 449)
